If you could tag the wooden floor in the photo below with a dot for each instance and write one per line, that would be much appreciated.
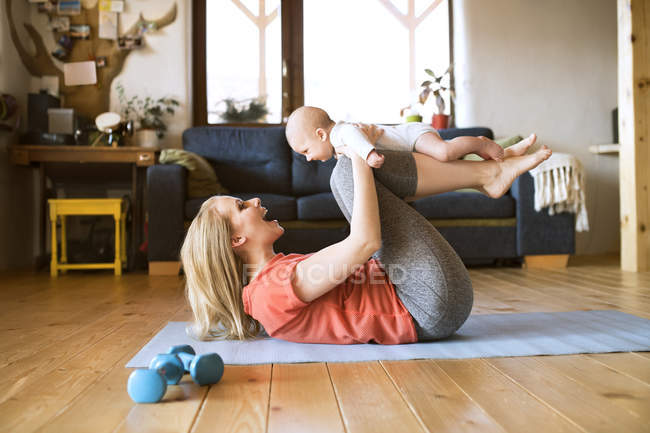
(64, 344)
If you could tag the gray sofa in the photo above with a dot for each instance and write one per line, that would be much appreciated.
(257, 162)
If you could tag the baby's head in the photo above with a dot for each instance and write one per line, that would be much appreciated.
(308, 131)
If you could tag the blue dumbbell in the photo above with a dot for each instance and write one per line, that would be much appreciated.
(146, 386)
(205, 369)
(170, 366)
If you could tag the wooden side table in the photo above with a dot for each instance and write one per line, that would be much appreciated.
(139, 158)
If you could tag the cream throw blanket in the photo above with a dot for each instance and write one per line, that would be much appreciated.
(560, 185)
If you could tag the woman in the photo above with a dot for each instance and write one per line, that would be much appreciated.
(393, 280)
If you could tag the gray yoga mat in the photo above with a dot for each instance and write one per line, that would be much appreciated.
(482, 336)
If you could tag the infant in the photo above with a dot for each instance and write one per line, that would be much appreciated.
(312, 133)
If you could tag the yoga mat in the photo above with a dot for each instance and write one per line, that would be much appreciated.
(482, 336)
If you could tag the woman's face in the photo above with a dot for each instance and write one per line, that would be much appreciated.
(247, 220)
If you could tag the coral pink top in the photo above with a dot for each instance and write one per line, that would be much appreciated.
(364, 308)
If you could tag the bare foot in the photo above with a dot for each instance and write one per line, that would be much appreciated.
(507, 171)
(520, 148)
(490, 150)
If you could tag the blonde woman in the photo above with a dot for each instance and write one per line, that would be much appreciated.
(393, 280)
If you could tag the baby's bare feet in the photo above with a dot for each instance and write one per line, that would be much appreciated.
(520, 148)
(490, 150)
(507, 171)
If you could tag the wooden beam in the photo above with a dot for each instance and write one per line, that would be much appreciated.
(199, 90)
(634, 132)
(293, 90)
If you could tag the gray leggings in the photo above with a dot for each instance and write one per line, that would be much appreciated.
(429, 277)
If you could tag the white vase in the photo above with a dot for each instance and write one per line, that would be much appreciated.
(146, 138)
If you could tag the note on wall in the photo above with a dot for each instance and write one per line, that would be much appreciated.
(69, 7)
(79, 73)
(107, 25)
(111, 5)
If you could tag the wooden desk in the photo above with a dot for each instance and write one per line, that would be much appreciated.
(139, 158)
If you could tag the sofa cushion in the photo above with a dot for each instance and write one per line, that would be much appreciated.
(311, 177)
(465, 205)
(321, 206)
(280, 207)
(245, 159)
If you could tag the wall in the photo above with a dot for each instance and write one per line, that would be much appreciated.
(161, 68)
(547, 67)
(18, 227)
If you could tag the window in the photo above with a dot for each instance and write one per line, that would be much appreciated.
(243, 59)
(360, 60)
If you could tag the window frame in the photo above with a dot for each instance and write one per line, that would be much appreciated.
(293, 83)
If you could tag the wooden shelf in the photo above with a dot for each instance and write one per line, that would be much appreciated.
(605, 148)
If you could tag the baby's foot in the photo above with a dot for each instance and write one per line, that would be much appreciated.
(520, 148)
(507, 171)
(490, 150)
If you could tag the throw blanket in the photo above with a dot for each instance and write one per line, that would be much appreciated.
(560, 185)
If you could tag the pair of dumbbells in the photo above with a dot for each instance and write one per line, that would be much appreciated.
(150, 385)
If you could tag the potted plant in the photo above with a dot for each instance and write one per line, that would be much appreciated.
(245, 110)
(148, 114)
(440, 120)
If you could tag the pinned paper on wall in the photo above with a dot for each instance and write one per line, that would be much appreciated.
(59, 24)
(111, 5)
(79, 73)
(107, 25)
(69, 7)
(51, 84)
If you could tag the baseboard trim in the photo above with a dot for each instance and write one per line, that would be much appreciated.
(547, 261)
(164, 268)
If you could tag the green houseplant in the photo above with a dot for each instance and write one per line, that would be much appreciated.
(437, 89)
(149, 115)
(245, 110)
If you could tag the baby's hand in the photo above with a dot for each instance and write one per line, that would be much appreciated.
(375, 160)
(373, 132)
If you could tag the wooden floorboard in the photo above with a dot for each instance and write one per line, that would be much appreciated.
(64, 343)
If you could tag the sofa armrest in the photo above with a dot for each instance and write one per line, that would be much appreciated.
(166, 196)
(539, 232)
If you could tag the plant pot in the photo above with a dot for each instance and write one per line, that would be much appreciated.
(146, 138)
(440, 121)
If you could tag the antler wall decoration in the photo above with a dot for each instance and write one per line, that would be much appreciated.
(89, 100)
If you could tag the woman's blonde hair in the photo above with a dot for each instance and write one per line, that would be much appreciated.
(214, 279)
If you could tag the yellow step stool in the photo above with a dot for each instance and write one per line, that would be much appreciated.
(61, 207)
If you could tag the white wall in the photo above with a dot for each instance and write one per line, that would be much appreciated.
(18, 225)
(548, 67)
(163, 67)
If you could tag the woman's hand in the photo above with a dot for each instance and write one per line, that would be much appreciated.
(373, 132)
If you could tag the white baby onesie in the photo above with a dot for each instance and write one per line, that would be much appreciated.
(398, 137)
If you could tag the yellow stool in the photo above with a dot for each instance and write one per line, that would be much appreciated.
(88, 206)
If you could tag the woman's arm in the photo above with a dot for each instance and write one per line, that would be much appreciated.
(327, 268)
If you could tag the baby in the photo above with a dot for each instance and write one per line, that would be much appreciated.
(312, 133)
